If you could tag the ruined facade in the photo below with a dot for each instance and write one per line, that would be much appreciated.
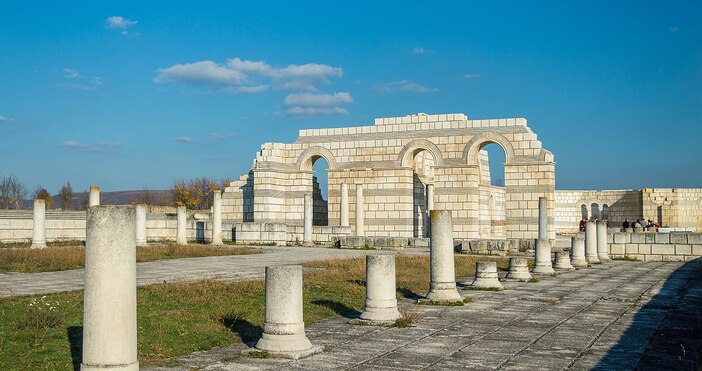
(404, 164)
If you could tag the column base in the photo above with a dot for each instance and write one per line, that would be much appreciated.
(603, 257)
(286, 346)
(128, 367)
(387, 315)
(543, 269)
(444, 295)
(487, 283)
(579, 263)
(38, 245)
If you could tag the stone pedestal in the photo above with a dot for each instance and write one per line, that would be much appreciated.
(602, 246)
(443, 274)
(543, 219)
(217, 218)
(381, 302)
(563, 261)
(518, 269)
(486, 276)
(591, 242)
(307, 214)
(109, 316)
(344, 208)
(39, 225)
(181, 232)
(283, 327)
(94, 197)
(542, 263)
(360, 227)
(577, 252)
(141, 225)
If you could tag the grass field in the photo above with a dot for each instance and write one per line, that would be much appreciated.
(180, 318)
(73, 257)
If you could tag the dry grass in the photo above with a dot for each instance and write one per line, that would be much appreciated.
(73, 257)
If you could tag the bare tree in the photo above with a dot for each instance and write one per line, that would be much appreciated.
(147, 198)
(42, 194)
(12, 192)
(195, 193)
(66, 196)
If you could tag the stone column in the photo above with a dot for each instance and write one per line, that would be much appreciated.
(217, 218)
(602, 246)
(591, 242)
(307, 232)
(39, 224)
(518, 269)
(283, 326)
(181, 232)
(542, 263)
(109, 305)
(443, 275)
(563, 261)
(486, 276)
(381, 302)
(430, 197)
(359, 211)
(577, 252)
(94, 199)
(344, 210)
(141, 225)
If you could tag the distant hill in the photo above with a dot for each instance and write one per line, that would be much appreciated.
(158, 197)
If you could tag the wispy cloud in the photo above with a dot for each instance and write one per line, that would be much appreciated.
(222, 136)
(403, 86)
(317, 104)
(244, 76)
(421, 50)
(469, 76)
(5, 118)
(673, 29)
(184, 139)
(80, 147)
(121, 24)
(74, 80)
(312, 111)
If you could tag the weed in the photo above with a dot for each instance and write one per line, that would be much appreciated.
(625, 258)
(533, 280)
(495, 289)
(445, 303)
(258, 354)
(409, 317)
(42, 314)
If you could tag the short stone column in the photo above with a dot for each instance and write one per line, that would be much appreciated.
(381, 302)
(181, 231)
(39, 224)
(602, 246)
(217, 217)
(94, 198)
(591, 242)
(518, 269)
(360, 226)
(283, 326)
(443, 274)
(430, 197)
(109, 305)
(542, 263)
(141, 225)
(486, 276)
(563, 261)
(344, 208)
(307, 229)
(577, 252)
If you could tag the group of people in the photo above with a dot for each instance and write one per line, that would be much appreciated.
(640, 223)
(583, 223)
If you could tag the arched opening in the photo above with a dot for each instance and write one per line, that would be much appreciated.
(491, 165)
(491, 159)
(583, 211)
(605, 211)
(422, 175)
(320, 191)
(595, 208)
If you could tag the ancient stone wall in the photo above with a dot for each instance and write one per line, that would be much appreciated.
(394, 160)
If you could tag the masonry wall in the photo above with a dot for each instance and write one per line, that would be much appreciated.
(656, 246)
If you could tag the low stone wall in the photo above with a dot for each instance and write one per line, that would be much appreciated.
(379, 243)
(656, 246)
(282, 234)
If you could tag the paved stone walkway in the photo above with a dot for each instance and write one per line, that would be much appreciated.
(234, 267)
(607, 317)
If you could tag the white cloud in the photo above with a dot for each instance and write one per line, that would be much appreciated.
(311, 111)
(72, 144)
(119, 22)
(184, 139)
(70, 73)
(403, 86)
(222, 136)
(673, 28)
(74, 80)
(309, 99)
(469, 76)
(244, 76)
(420, 50)
(4, 118)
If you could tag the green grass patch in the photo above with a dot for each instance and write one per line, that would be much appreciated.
(180, 318)
(533, 280)
(65, 258)
(495, 289)
(626, 258)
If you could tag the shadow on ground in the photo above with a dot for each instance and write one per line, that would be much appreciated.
(247, 331)
(75, 339)
(667, 332)
(340, 308)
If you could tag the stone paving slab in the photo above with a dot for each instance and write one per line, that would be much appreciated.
(614, 316)
(232, 267)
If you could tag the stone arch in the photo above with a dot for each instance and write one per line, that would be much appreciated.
(470, 151)
(410, 149)
(311, 154)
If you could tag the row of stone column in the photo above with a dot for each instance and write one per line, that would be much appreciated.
(39, 221)
(308, 212)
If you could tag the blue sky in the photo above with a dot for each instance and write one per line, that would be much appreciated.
(130, 95)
